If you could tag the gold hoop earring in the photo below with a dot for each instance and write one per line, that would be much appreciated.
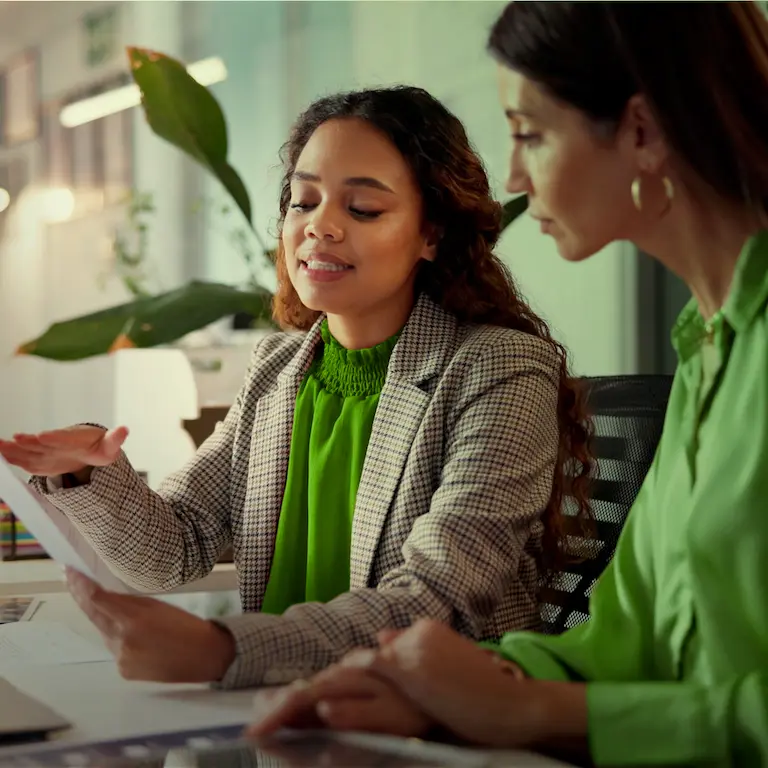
(669, 192)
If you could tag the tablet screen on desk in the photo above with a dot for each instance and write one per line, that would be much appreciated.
(222, 748)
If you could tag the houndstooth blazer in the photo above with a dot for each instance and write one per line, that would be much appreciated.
(447, 521)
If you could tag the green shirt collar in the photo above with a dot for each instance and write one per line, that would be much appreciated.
(748, 295)
(352, 372)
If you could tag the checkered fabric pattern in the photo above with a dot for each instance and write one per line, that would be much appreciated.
(447, 523)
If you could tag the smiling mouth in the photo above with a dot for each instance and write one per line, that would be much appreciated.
(316, 265)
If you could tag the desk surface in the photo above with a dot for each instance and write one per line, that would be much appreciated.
(101, 705)
(106, 706)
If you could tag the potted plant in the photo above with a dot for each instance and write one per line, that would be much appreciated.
(184, 113)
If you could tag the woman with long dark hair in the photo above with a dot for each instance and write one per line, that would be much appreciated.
(646, 122)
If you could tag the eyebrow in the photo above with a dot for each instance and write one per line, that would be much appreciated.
(352, 181)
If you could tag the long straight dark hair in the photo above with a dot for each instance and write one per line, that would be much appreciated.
(702, 66)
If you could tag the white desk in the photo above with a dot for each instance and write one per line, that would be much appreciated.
(101, 705)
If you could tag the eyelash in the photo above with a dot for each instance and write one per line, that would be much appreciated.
(526, 138)
(365, 215)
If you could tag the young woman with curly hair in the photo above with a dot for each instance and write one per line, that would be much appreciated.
(404, 456)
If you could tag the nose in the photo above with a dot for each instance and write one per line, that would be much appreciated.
(323, 224)
(518, 180)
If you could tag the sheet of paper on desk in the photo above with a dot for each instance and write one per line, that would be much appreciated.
(42, 642)
(56, 533)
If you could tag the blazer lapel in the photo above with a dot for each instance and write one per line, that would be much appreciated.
(270, 450)
(421, 354)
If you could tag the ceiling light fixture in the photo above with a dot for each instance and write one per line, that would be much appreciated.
(206, 72)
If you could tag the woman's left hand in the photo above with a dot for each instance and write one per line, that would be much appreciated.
(473, 693)
(152, 640)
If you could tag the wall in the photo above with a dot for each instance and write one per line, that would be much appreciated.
(441, 47)
(48, 272)
(312, 48)
(251, 38)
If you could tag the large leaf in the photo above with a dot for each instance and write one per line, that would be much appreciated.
(147, 322)
(186, 114)
(513, 209)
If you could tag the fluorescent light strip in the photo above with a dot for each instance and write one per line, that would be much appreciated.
(206, 72)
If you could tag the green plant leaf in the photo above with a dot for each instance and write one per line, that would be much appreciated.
(186, 114)
(513, 209)
(147, 322)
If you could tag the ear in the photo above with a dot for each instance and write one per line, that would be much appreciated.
(641, 135)
(432, 238)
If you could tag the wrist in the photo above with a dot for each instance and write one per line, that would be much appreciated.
(77, 478)
(83, 475)
(559, 714)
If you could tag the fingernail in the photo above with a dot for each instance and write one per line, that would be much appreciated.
(323, 709)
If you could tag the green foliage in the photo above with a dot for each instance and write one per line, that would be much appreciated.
(147, 322)
(513, 209)
(186, 114)
(130, 245)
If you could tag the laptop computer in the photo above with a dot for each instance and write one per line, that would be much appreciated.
(23, 718)
(224, 747)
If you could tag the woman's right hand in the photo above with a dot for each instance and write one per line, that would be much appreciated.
(74, 450)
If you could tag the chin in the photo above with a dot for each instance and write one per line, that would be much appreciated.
(574, 251)
(329, 305)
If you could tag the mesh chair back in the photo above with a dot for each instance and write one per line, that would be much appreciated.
(628, 412)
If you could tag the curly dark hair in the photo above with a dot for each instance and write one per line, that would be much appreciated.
(466, 278)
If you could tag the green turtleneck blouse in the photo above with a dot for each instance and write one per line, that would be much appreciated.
(332, 424)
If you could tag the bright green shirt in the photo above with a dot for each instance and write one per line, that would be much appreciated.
(676, 652)
(332, 424)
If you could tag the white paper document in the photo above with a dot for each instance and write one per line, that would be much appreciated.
(56, 533)
(42, 642)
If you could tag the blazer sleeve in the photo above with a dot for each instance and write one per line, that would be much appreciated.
(159, 540)
(461, 556)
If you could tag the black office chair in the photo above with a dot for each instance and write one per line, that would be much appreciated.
(629, 414)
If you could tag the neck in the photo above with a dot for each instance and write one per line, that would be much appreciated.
(372, 326)
(700, 241)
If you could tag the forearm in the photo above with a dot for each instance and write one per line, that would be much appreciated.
(132, 528)
(275, 650)
(680, 723)
(564, 722)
